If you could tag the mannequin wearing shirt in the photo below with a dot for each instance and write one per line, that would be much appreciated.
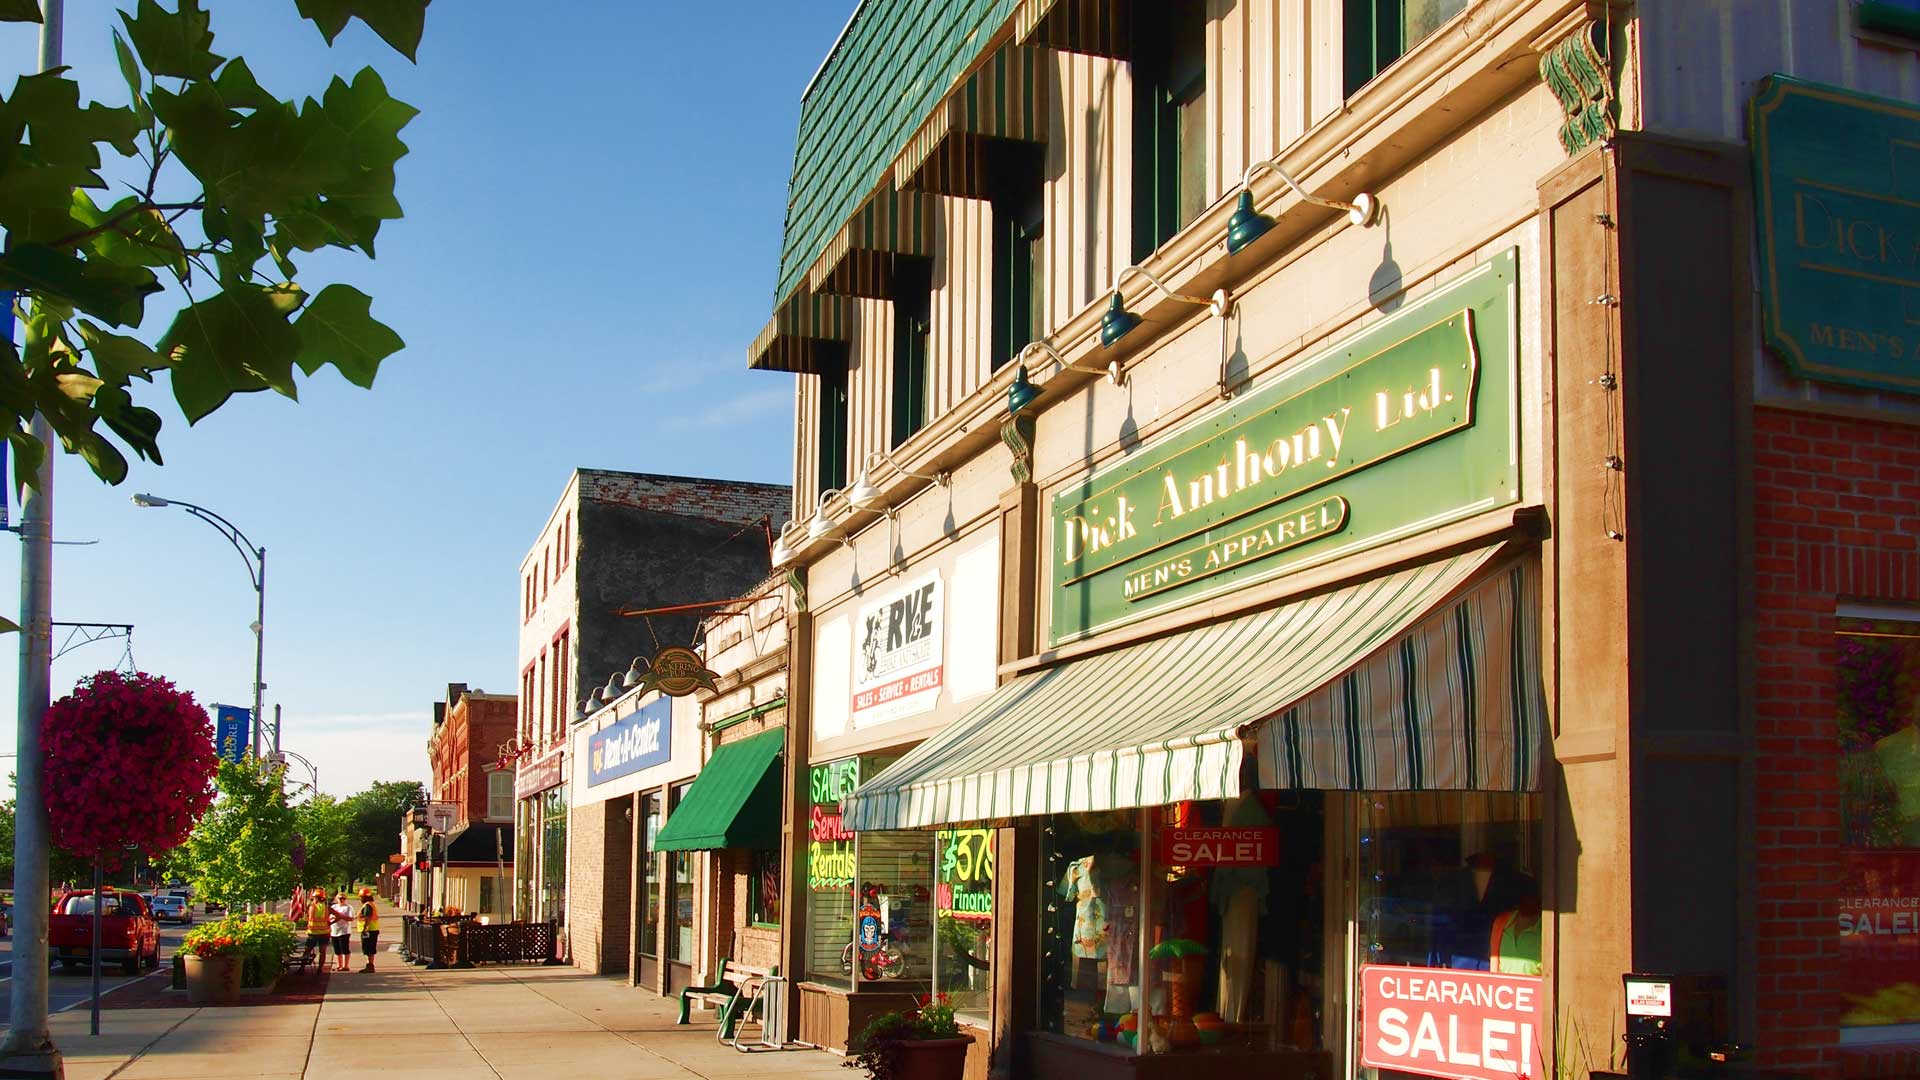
(1514, 944)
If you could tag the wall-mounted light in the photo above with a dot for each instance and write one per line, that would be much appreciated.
(1022, 391)
(822, 523)
(1247, 224)
(864, 492)
(583, 710)
(783, 550)
(612, 691)
(1118, 322)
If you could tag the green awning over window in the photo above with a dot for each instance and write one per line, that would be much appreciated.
(734, 801)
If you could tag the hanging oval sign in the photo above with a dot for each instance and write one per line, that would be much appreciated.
(677, 671)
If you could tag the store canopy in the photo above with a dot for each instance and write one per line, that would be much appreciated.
(479, 842)
(734, 801)
(1426, 679)
(954, 151)
(403, 870)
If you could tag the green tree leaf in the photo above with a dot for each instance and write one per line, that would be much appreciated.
(49, 146)
(175, 43)
(338, 328)
(236, 342)
(129, 232)
(240, 850)
(117, 358)
(136, 83)
(17, 11)
(103, 289)
(398, 22)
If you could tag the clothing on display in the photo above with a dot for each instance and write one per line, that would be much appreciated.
(1089, 910)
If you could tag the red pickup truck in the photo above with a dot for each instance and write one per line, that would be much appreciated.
(128, 933)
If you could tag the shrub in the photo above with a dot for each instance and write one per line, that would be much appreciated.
(262, 941)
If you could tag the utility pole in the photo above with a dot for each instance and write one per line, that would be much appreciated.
(28, 1050)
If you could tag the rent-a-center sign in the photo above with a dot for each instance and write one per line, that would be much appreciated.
(1462, 1025)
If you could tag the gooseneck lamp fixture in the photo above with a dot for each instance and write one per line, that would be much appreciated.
(1247, 224)
(783, 549)
(864, 492)
(1022, 392)
(1118, 322)
(612, 691)
(635, 673)
(823, 520)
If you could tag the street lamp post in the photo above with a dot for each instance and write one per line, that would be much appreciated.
(255, 558)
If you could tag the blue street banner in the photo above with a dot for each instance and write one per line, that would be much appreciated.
(231, 726)
(642, 740)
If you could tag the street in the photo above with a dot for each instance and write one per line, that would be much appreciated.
(70, 989)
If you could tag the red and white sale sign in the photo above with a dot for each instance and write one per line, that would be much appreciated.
(1220, 846)
(1462, 1025)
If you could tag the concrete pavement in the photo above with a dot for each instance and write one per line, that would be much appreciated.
(406, 1023)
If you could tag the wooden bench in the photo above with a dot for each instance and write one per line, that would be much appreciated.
(729, 994)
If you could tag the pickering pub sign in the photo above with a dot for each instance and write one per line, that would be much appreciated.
(1837, 198)
(1406, 426)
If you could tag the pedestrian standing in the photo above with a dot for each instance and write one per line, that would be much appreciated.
(318, 925)
(340, 924)
(369, 928)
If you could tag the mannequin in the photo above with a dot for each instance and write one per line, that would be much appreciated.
(1240, 892)
(1514, 944)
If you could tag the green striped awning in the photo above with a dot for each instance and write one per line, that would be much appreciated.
(734, 801)
(1095, 27)
(1422, 679)
(1005, 100)
(807, 335)
(858, 261)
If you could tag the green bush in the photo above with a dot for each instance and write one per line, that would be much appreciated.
(265, 940)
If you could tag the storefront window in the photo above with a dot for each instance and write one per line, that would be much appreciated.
(680, 937)
(526, 866)
(763, 889)
(1449, 880)
(649, 875)
(830, 866)
(553, 856)
(893, 917)
(963, 920)
(1090, 927)
(1877, 707)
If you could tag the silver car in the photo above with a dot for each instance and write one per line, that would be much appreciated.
(171, 909)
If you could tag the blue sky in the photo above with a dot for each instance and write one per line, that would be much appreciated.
(593, 208)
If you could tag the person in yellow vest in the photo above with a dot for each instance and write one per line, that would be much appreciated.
(369, 927)
(317, 928)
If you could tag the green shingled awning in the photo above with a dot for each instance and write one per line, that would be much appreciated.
(1004, 101)
(734, 801)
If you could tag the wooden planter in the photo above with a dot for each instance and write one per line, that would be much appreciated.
(931, 1059)
(214, 980)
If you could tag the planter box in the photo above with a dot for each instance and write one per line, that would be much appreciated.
(931, 1059)
(214, 980)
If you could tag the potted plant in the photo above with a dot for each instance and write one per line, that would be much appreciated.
(1185, 960)
(920, 1044)
(213, 969)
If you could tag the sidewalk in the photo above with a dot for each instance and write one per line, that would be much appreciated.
(408, 1023)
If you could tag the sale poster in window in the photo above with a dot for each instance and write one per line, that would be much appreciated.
(1877, 704)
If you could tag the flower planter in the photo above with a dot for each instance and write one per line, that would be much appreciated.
(931, 1059)
(213, 980)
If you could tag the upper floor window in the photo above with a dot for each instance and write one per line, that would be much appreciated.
(500, 795)
(1169, 120)
(1019, 255)
(912, 345)
(1378, 32)
(833, 429)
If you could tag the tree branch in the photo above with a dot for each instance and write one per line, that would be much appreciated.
(110, 223)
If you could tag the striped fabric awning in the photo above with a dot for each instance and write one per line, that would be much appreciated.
(1403, 682)
(1095, 27)
(858, 261)
(808, 334)
(1005, 100)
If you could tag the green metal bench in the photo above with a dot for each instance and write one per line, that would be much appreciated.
(729, 994)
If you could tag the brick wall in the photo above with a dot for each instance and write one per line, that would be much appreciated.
(1836, 518)
(599, 886)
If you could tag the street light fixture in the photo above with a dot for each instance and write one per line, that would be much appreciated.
(255, 558)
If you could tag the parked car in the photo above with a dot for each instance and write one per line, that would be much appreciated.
(129, 935)
(170, 908)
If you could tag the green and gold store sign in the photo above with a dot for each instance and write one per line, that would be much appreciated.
(1404, 427)
(1837, 198)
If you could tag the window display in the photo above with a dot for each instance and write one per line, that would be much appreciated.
(553, 856)
(1202, 932)
(1877, 705)
(1448, 880)
(963, 920)
(680, 882)
(649, 875)
(893, 919)
(830, 866)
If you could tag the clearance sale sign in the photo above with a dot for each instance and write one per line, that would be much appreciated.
(1462, 1025)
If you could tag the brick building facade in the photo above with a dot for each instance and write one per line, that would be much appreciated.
(1836, 530)
(469, 728)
